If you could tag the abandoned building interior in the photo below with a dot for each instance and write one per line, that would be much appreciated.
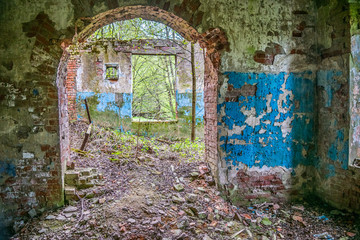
(269, 89)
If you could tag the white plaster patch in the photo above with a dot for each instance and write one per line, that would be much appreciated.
(28, 155)
(285, 126)
(262, 131)
(251, 118)
(236, 130)
(268, 102)
(267, 122)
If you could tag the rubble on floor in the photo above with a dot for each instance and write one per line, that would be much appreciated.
(158, 194)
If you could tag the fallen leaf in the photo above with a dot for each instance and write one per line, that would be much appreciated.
(213, 223)
(298, 207)
(350, 234)
(247, 216)
(276, 206)
(266, 222)
(299, 219)
(203, 169)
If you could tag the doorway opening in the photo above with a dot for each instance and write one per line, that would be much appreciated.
(111, 73)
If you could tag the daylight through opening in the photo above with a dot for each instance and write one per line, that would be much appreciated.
(154, 88)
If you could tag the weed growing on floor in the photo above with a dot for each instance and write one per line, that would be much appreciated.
(123, 147)
(189, 151)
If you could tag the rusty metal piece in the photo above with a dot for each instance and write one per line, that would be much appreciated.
(87, 110)
(87, 134)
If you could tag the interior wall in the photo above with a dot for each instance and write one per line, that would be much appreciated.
(113, 99)
(337, 180)
(298, 47)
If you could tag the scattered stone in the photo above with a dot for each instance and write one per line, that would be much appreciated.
(194, 209)
(68, 215)
(102, 200)
(18, 225)
(43, 230)
(60, 218)
(131, 220)
(189, 212)
(202, 215)
(177, 199)
(201, 189)
(179, 187)
(183, 223)
(142, 159)
(50, 217)
(206, 237)
(191, 198)
(176, 232)
(70, 209)
(210, 180)
(32, 213)
(194, 175)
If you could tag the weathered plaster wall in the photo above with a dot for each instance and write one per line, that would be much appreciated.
(266, 130)
(91, 71)
(266, 104)
(337, 180)
(116, 96)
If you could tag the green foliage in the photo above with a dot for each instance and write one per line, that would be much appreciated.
(135, 29)
(189, 151)
(153, 87)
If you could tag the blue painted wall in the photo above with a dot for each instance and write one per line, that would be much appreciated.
(332, 102)
(279, 99)
(107, 102)
(184, 105)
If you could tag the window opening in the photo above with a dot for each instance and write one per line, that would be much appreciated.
(112, 72)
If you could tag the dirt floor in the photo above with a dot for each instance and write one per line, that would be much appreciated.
(161, 189)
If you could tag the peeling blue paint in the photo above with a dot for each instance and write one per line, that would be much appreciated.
(107, 102)
(339, 150)
(270, 142)
(7, 168)
(328, 80)
(35, 92)
(184, 103)
(330, 171)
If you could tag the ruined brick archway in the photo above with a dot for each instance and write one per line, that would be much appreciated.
(213, 41)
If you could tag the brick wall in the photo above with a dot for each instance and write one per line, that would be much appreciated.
(72, 66)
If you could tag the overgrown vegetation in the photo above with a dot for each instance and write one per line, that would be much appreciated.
(122, 147)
